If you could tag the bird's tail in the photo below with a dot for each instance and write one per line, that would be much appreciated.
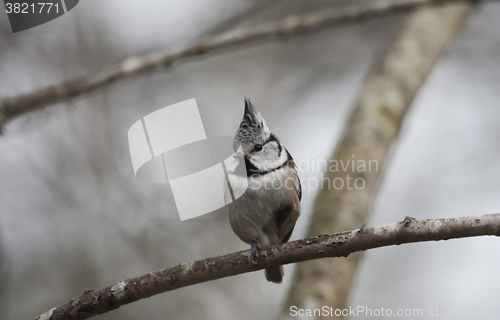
(274, 274)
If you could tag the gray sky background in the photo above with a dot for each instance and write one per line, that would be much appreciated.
(72, 215)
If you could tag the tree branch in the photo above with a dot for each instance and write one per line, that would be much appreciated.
(94, 302)
(11, 107)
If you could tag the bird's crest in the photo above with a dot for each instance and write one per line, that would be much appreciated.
(253, 128)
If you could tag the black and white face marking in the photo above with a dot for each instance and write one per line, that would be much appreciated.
(268, 156)
(253, 170)
(272, 143)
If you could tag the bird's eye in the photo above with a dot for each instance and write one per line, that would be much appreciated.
(258, 147)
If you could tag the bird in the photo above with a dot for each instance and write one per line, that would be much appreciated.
(266, 212)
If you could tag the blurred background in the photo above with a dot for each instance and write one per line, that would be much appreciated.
(73, 216)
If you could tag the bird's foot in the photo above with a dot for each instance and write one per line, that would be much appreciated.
(255, 249)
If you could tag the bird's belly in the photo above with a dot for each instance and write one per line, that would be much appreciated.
(252, 216)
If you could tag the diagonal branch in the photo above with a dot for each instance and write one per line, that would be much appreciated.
(94, 302)
(11, 107)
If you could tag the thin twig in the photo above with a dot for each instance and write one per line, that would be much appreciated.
(291, 26)
(94, 302)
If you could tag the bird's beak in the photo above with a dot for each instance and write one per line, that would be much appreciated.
(238, 154)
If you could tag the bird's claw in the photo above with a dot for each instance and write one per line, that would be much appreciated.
(255, 249)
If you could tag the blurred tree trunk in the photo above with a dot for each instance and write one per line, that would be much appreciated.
(371, 131)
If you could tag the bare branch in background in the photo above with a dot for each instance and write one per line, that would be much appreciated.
(94, 302)
(291, 26)
(370, 133)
